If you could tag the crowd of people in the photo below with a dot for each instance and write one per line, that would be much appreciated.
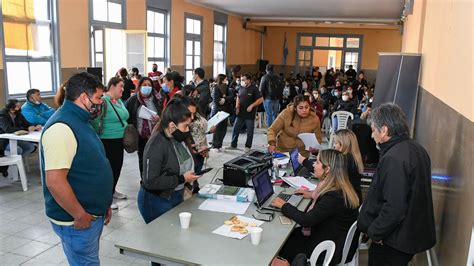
(85, 138)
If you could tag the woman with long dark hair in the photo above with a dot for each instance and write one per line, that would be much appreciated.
(145, 97)
(222, 99)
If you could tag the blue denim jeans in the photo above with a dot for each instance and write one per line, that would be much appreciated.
(81, 247)
(271, 110)
(152, 206)
(238, 125)
(23, 147)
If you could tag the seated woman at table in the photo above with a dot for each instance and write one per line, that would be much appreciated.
(346, 142)
(167, 163)
(11, 121)
(297, 118)
(329, 217)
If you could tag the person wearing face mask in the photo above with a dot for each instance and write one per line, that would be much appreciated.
(110, 126)
(11, 121)
(34, 110)
(297, 118)
(76, 175)
(128, 86)
(289, 92)
(248, 100)
(168, 163)
(234, 91)
(155, 77)
(317, 104)
(172, 84)
(204, 92)
(222, 98)
(329, 217)
(147, 97)
(343, 104)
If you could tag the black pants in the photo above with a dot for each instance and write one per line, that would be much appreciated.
(297, 243)
(382, 255)
(141, 147)
(114, 152)
(219, 135)
(238, 125)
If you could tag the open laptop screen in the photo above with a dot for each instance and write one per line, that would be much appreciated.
(294, 160)
(263, 186)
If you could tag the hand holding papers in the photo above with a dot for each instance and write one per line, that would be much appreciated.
(146, 113)
(310, 141)
(216, 119)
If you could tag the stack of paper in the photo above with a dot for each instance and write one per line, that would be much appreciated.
(298, 182)
(224, 206)
(310, 141)
(224, 230)
(216, 119)
(146, 113)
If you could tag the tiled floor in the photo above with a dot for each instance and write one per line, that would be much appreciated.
(26, 236)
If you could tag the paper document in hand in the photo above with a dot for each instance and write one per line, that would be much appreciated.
(225, 230)
(216, 119)
(310, 141)
(298, 182)
(146, 113)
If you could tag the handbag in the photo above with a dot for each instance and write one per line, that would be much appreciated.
(130, 136)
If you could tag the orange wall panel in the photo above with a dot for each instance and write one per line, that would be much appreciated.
(136, 14)
(243, 46)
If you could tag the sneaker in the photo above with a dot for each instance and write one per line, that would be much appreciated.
(246, 149)
(114, 206)
(118, 195)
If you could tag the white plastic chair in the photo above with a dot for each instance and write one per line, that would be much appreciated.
(342, 119)
(347, 247)
(18, 161)
(328, 246)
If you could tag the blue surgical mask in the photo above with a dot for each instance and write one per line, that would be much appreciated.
(165, 88)
(145, 90)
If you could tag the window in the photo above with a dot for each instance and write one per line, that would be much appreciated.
(304, 58)
(219, 49)
(107, 11)
(352, 58)
(29, 31)
(193, 40)
(306, 41)
(352, 42)
(157, 39)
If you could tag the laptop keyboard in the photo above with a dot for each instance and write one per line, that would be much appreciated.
(284, 196)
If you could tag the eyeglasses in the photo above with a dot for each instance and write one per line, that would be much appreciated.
(268, 216)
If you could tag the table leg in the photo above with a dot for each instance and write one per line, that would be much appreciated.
(14, 151)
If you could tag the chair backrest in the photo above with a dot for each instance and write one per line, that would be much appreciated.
(348, 243)
(328, 246)
(342, 118)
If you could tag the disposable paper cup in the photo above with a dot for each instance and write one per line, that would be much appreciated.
(256, 235)
(185, 219)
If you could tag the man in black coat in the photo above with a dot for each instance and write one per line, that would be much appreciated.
(202, 86)
(398, 212)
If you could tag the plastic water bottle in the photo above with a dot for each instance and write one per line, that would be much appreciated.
(275, 170)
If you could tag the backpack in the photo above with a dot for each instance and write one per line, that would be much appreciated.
(276, 86)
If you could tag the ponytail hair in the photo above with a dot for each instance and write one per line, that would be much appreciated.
(176, 78)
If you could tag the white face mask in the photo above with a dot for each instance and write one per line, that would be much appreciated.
(242, 83)
(345, 97)
(226, 82)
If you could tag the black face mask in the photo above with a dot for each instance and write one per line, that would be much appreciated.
(180, 136)
(95, 110)
(155, 69)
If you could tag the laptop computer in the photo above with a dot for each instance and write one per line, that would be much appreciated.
(265, 194)
(298, 169)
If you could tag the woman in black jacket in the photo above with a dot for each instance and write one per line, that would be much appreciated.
(168, 164)
(333, 211)
(147, 97)
(221, 99)
(346, 142)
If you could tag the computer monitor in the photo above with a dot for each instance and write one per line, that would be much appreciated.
(263, 186)
(294, 160)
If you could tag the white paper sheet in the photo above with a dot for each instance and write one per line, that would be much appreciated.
(146, 113)
(216, 119)
(299, 182)
(310, 141)
(224, 206)
(283, 161)
(224, 230)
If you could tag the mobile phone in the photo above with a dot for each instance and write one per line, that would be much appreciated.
(285, 220)
(202, 172)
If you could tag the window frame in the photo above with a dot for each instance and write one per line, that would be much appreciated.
(108, 24)
(53, 59)
(314, 46)
(165, 36)
(224, 49)
(192, 37)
